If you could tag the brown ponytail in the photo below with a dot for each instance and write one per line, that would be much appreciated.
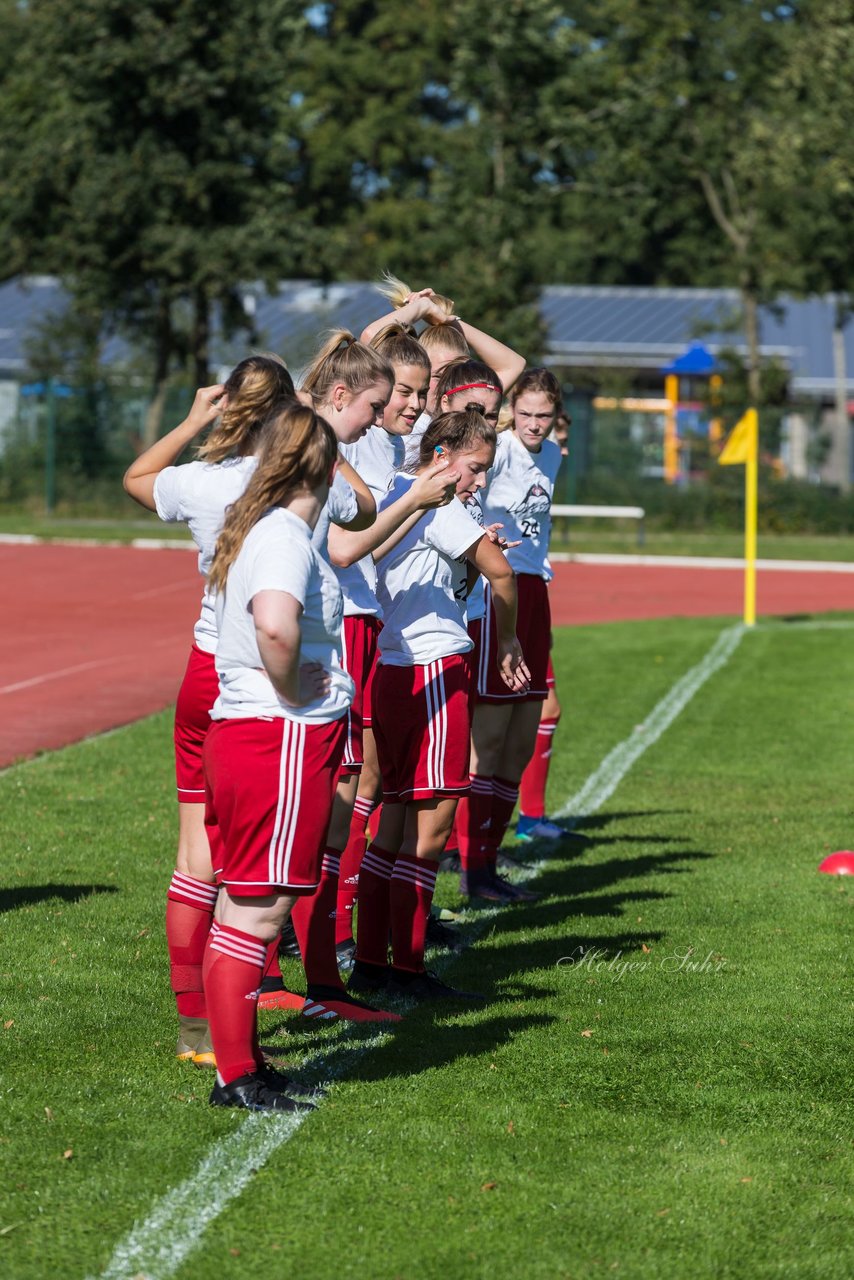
(455, 432)
(255, 388)
(466, 372)
(397, 344)
(298, 451)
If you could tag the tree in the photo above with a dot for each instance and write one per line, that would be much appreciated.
(673, 103)
(154, 179)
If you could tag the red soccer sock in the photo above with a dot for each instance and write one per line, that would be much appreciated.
(272, 968)
(314, 921)
(234, 964)
(473, 819)
(412, 883)
(189, 911)
(374, 822)
(374, 906)
(351, 861)
(532, 791)
(504, 797)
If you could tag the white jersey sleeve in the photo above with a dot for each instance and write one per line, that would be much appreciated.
(519, 496)
(199, 493)
(418, 584)
(377, 457)
(277, 555)
(341, 508)
(413, 440)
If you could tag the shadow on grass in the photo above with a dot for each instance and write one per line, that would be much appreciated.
(513, 967)
(595, 821)
(586, 878)
(29, 895)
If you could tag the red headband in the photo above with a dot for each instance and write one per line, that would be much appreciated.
(468, 386)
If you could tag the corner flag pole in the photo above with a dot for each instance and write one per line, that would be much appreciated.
(742, 445)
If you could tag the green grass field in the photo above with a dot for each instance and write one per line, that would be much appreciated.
(659, 1086)
(602, 536)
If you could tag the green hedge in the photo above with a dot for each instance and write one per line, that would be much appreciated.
(785, 506)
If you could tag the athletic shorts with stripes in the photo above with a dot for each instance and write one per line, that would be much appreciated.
(359, 658)
(199, 691)
(423, 727)
(270, 785)
(533, 631)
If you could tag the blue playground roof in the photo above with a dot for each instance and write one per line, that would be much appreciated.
(627, 328)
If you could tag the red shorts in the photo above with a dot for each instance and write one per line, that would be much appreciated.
(423, 728)
(199, 691)
(550, 672)
(270, 785)
(359, 658)
(533, 631)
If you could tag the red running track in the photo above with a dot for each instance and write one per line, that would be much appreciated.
(99, 636)
(95, 637)
(621, 593)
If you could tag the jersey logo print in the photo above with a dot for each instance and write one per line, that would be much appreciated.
(536, 502)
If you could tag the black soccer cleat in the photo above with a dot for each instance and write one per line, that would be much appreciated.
(366, 977)
(440, 935)
(252, 1093)
(291, 1088)
(485, 883)
(426, 986)
(288, 945)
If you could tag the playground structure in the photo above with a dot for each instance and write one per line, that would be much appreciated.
(679, 414)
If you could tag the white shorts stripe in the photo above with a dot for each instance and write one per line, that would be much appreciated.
(296, 750)
(430, 698)
(443, 723)
(277, 825)
(485, 634)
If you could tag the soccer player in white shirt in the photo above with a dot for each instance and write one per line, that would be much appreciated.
(272, 754)
(445, 338)
(518, 494)
(348, 371)
(377, 457)
(421, 714)
(198, 493)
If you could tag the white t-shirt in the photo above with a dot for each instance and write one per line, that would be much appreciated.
(519, 495)
(422, 618)
(413, 440)
(474, 605)
(377, 457)
(277, 555)
(341, 508)
(198, 494)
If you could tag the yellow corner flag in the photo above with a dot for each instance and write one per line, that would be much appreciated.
(742, 445)
(743, 441)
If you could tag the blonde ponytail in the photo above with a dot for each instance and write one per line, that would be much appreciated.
(399, 294)
(341, 358)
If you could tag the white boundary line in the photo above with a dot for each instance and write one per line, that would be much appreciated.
(559, 557)
(155, 1249)
(701, 562)
(604, 781)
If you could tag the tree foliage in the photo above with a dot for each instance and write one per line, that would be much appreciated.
(157, 155)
